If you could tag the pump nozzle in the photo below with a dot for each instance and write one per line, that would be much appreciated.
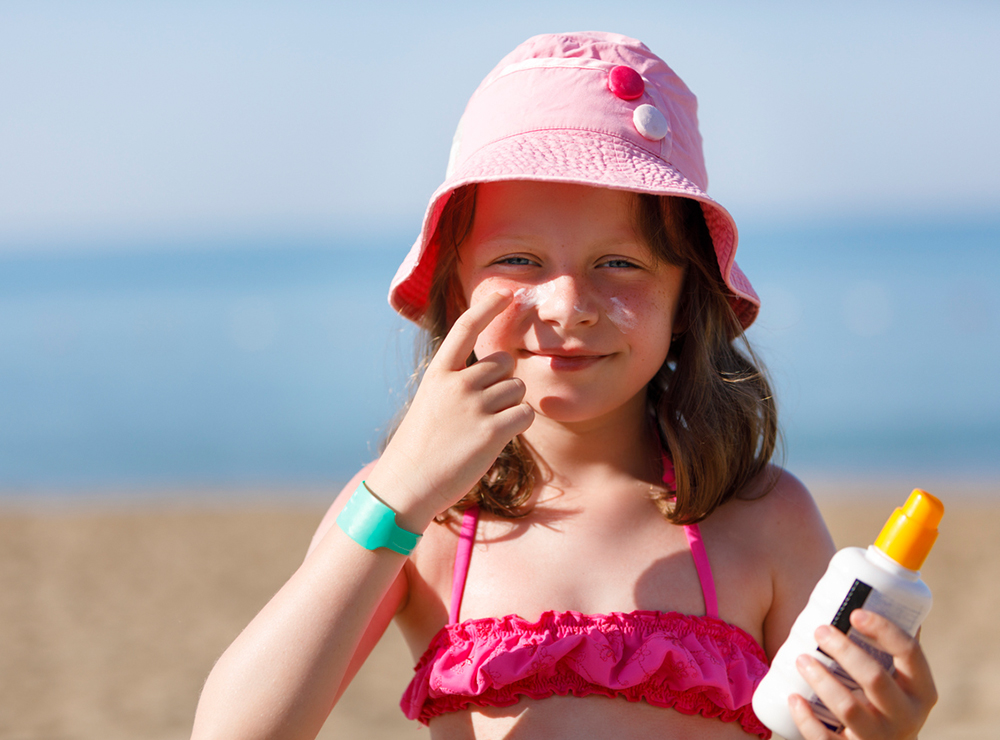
(911, 530)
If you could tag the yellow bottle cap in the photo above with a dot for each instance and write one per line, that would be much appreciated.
(911, 530)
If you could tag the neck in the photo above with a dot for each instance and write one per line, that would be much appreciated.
(572, 454)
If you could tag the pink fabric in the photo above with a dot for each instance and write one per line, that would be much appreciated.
(462, 556)
(704, 569)
(696, 665)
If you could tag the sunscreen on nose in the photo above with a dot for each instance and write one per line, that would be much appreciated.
(551, 294)
(884, 579)
(535, 295)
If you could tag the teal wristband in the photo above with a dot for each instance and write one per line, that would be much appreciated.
(372, 524)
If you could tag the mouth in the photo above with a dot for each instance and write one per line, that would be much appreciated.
(569, 359)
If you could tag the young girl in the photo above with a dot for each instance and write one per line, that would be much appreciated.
(605, 550)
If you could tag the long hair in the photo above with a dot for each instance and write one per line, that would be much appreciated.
(711, 400)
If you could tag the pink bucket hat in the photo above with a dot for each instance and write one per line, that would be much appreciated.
(590, 108)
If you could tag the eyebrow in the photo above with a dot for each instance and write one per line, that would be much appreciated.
(499, 237)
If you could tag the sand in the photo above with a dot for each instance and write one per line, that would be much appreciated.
(112, 614)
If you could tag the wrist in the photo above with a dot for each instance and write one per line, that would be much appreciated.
(412, 511)
(372, 524)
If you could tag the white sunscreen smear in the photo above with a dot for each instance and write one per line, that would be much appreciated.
(621, 315)
(536, 295)
(618, 312)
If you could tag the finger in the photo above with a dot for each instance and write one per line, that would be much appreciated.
(810, 727)
(878, 685)
(461, 340)
(913, 672)
(503, 395)
(491, 369)
(515, 420)
(847, 706)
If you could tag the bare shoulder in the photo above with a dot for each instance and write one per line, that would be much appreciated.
(793, 543)
(780, 505)
(776, 512)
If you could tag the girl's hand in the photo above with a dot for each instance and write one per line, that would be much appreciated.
(892, 706)
(458, 423)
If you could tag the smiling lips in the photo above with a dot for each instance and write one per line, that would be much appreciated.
(569, 360)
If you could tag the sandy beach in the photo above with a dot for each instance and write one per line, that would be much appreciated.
(112, 613)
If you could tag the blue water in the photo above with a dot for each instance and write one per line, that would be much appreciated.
(279, 364)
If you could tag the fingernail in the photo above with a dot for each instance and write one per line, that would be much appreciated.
(860, 617)
(823, 633)
(803, 663)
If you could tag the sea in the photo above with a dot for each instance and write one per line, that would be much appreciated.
(276, 364)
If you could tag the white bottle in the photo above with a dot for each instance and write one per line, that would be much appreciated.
(884, 578)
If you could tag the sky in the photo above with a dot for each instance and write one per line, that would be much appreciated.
(128, 124)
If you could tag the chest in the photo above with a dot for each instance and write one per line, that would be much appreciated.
(561, 561)
(580, 565)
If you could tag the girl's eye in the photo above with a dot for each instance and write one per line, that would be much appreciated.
(620, 262)
(516, 260)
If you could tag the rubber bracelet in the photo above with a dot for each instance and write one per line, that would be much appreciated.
(372, 524)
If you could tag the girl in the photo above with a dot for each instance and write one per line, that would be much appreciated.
(606, 551)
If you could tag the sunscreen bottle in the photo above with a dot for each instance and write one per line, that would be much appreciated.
(884, 579)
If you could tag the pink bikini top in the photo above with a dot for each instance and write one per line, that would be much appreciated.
(696, 665)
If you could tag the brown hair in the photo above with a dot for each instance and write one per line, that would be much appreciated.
(711, 400)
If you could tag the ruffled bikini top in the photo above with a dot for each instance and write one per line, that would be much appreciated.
(696, 665)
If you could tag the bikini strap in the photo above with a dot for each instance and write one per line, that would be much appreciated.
(704, 569)
(462, 557)
(695, 543)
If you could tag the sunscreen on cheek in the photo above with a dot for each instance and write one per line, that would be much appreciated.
(620, 314)
(525, 298)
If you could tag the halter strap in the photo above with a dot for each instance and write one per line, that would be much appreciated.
(704, 568)
(462, 557)
(695, 544)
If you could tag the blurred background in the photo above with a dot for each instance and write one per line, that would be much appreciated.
(202, 205)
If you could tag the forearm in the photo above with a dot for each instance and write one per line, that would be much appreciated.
(280, 676)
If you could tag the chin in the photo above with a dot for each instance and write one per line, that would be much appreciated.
(568, 410)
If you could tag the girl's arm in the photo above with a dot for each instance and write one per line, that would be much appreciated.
(283, 674)
(286, 670)
(799, 548)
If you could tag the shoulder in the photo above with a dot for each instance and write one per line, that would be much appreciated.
(780, 503)
(781, 513)
(793, 543)
(777, 510)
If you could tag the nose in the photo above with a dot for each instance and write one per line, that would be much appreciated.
(566, 301)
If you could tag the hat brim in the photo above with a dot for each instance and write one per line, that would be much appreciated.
(582, 157)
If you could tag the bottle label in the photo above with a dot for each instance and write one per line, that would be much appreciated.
(862, 595)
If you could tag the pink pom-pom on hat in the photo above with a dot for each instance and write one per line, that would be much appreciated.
(588, 108)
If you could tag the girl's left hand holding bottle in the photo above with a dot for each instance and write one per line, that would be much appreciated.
(460, 419)
(893, 706)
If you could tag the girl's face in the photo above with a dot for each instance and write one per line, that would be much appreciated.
(593, 311)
